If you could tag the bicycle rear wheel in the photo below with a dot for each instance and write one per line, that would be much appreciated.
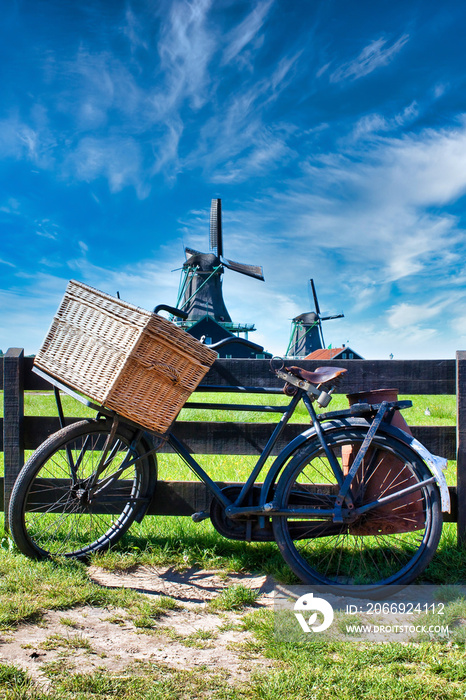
(54, 511)
(391, 543)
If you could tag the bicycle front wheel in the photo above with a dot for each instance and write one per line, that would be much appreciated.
(56, 509)
(390, 543)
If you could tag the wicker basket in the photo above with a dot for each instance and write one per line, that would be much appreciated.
(137, 363)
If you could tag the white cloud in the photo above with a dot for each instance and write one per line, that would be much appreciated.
(439, 90)
(241, 35)
(100, 83)
(323, 70)
(371, 124)
(134, 30)
(152, 113)
(21, 141)
(236, 143)
(185, 50)
(456, 320)
(118, 159)
(373, 56)
(47, 229)
(405, 315)
(382, 209)
(165, 149)
(428, 169)
(267, 151)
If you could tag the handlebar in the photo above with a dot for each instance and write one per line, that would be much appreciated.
(225, 341)
(171, 310)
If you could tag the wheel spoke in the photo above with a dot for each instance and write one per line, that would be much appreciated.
(389, 543)
(53, 511)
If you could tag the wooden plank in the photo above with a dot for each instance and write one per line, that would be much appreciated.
(228, 438)
(31, 380)
(39, 428)
(409, 376)
(250, 438)
(13, 401)
(439, 439)
(188, 497)
(177, 498)
(461, 443)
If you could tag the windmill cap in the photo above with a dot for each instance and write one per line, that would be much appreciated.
(308, 317)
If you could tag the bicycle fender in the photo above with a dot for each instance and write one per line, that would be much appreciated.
(435, 464)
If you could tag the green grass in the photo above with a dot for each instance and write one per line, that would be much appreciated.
(15, 684)
(233, 598)
(180, 543)
(442, 408)
(60, 641)
(319, 667)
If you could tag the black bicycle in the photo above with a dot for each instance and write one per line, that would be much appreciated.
(351, 501)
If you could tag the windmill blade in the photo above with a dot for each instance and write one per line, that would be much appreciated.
(250, 270)
(314, 294)
(216, 242)
(329, 318)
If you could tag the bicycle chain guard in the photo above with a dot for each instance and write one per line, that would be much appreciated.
(245, 529)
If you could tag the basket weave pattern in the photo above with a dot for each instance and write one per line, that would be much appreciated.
(137, 363)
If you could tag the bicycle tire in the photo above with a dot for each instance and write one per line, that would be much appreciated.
(51, 513)
(390, 544)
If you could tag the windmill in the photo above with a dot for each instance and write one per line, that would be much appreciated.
(200, 292)
(306, 329)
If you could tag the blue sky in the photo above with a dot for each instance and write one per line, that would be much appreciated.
(333, 131)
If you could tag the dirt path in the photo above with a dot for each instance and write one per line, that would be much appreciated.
(88, 638)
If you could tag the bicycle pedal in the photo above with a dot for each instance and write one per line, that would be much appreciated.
(200, 516)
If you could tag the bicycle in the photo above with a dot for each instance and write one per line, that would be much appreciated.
(352, 501)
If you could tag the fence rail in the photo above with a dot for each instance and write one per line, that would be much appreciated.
(19, 432)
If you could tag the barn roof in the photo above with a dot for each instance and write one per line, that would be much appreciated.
(330, 353)
(324, 354)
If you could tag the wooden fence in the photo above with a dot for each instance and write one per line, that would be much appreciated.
(19, 432)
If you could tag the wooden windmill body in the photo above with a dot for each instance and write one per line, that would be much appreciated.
(201, 294)
(306, 330)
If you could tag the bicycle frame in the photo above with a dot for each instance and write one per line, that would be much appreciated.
(235, 509)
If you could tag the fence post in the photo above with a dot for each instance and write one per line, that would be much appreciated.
(13, 414)
(461, 443)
